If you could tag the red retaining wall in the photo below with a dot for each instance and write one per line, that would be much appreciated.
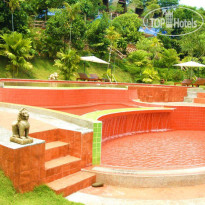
(161, 94)
(25, 166)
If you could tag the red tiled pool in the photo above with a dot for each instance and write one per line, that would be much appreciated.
(162, 150)
(182, 147)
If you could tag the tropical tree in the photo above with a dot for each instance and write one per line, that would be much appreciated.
(152, 45)
(72, 11)
(127, 25)
(122, 44)
(96, 34)
(137, 61)
(165, 3)
(17, 49)
(19, 20)
(41, 6)
(13, 5)
(168, 58)
(113, 36)
(67, 62)
(152, 6)
(88, 8)
(194, 45)
(137, 3)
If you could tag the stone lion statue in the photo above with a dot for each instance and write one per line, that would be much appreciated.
(20, 128)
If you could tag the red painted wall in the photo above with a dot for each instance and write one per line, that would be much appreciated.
(51, 98)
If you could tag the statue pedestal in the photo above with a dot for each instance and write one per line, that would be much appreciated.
(21, 141)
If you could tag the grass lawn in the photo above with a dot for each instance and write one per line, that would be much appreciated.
(41, 195)
(42, 68)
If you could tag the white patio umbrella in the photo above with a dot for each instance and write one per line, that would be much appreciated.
(93, 59)
(190, 64)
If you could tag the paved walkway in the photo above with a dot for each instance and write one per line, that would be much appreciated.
(38, 122)
(111, 195)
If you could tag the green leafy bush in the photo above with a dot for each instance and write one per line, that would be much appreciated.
(150, 75)
(68, 62)
(128, 25)
(18, 50)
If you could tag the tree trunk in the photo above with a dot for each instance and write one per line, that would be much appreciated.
(64, 43)
(70, 36)
(106, 3)
(85, 17)
(46, 14)
(12, 21)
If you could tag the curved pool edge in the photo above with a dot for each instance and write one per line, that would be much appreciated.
(148, 179)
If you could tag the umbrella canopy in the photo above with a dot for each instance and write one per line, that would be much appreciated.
(190, 64)
(93, 59)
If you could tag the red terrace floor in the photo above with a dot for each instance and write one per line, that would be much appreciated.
(84, 110)
(165, 150)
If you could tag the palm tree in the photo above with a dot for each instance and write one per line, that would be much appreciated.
(13, 5)
(17, 50)
(72, 11)
(113, 36)
(67, 62)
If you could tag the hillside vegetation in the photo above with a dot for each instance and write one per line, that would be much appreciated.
(69, 29)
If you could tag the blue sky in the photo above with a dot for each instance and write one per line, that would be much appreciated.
(194, 3)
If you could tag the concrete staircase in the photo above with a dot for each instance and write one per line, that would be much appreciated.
(192, 94)
(62, 171)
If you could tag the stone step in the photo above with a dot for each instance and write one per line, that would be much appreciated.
(188, 99)
(199, 100)
(195, 89)
(201, 95)
(56, 149)
(72, 183)
(191, 94)
(61, 167)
